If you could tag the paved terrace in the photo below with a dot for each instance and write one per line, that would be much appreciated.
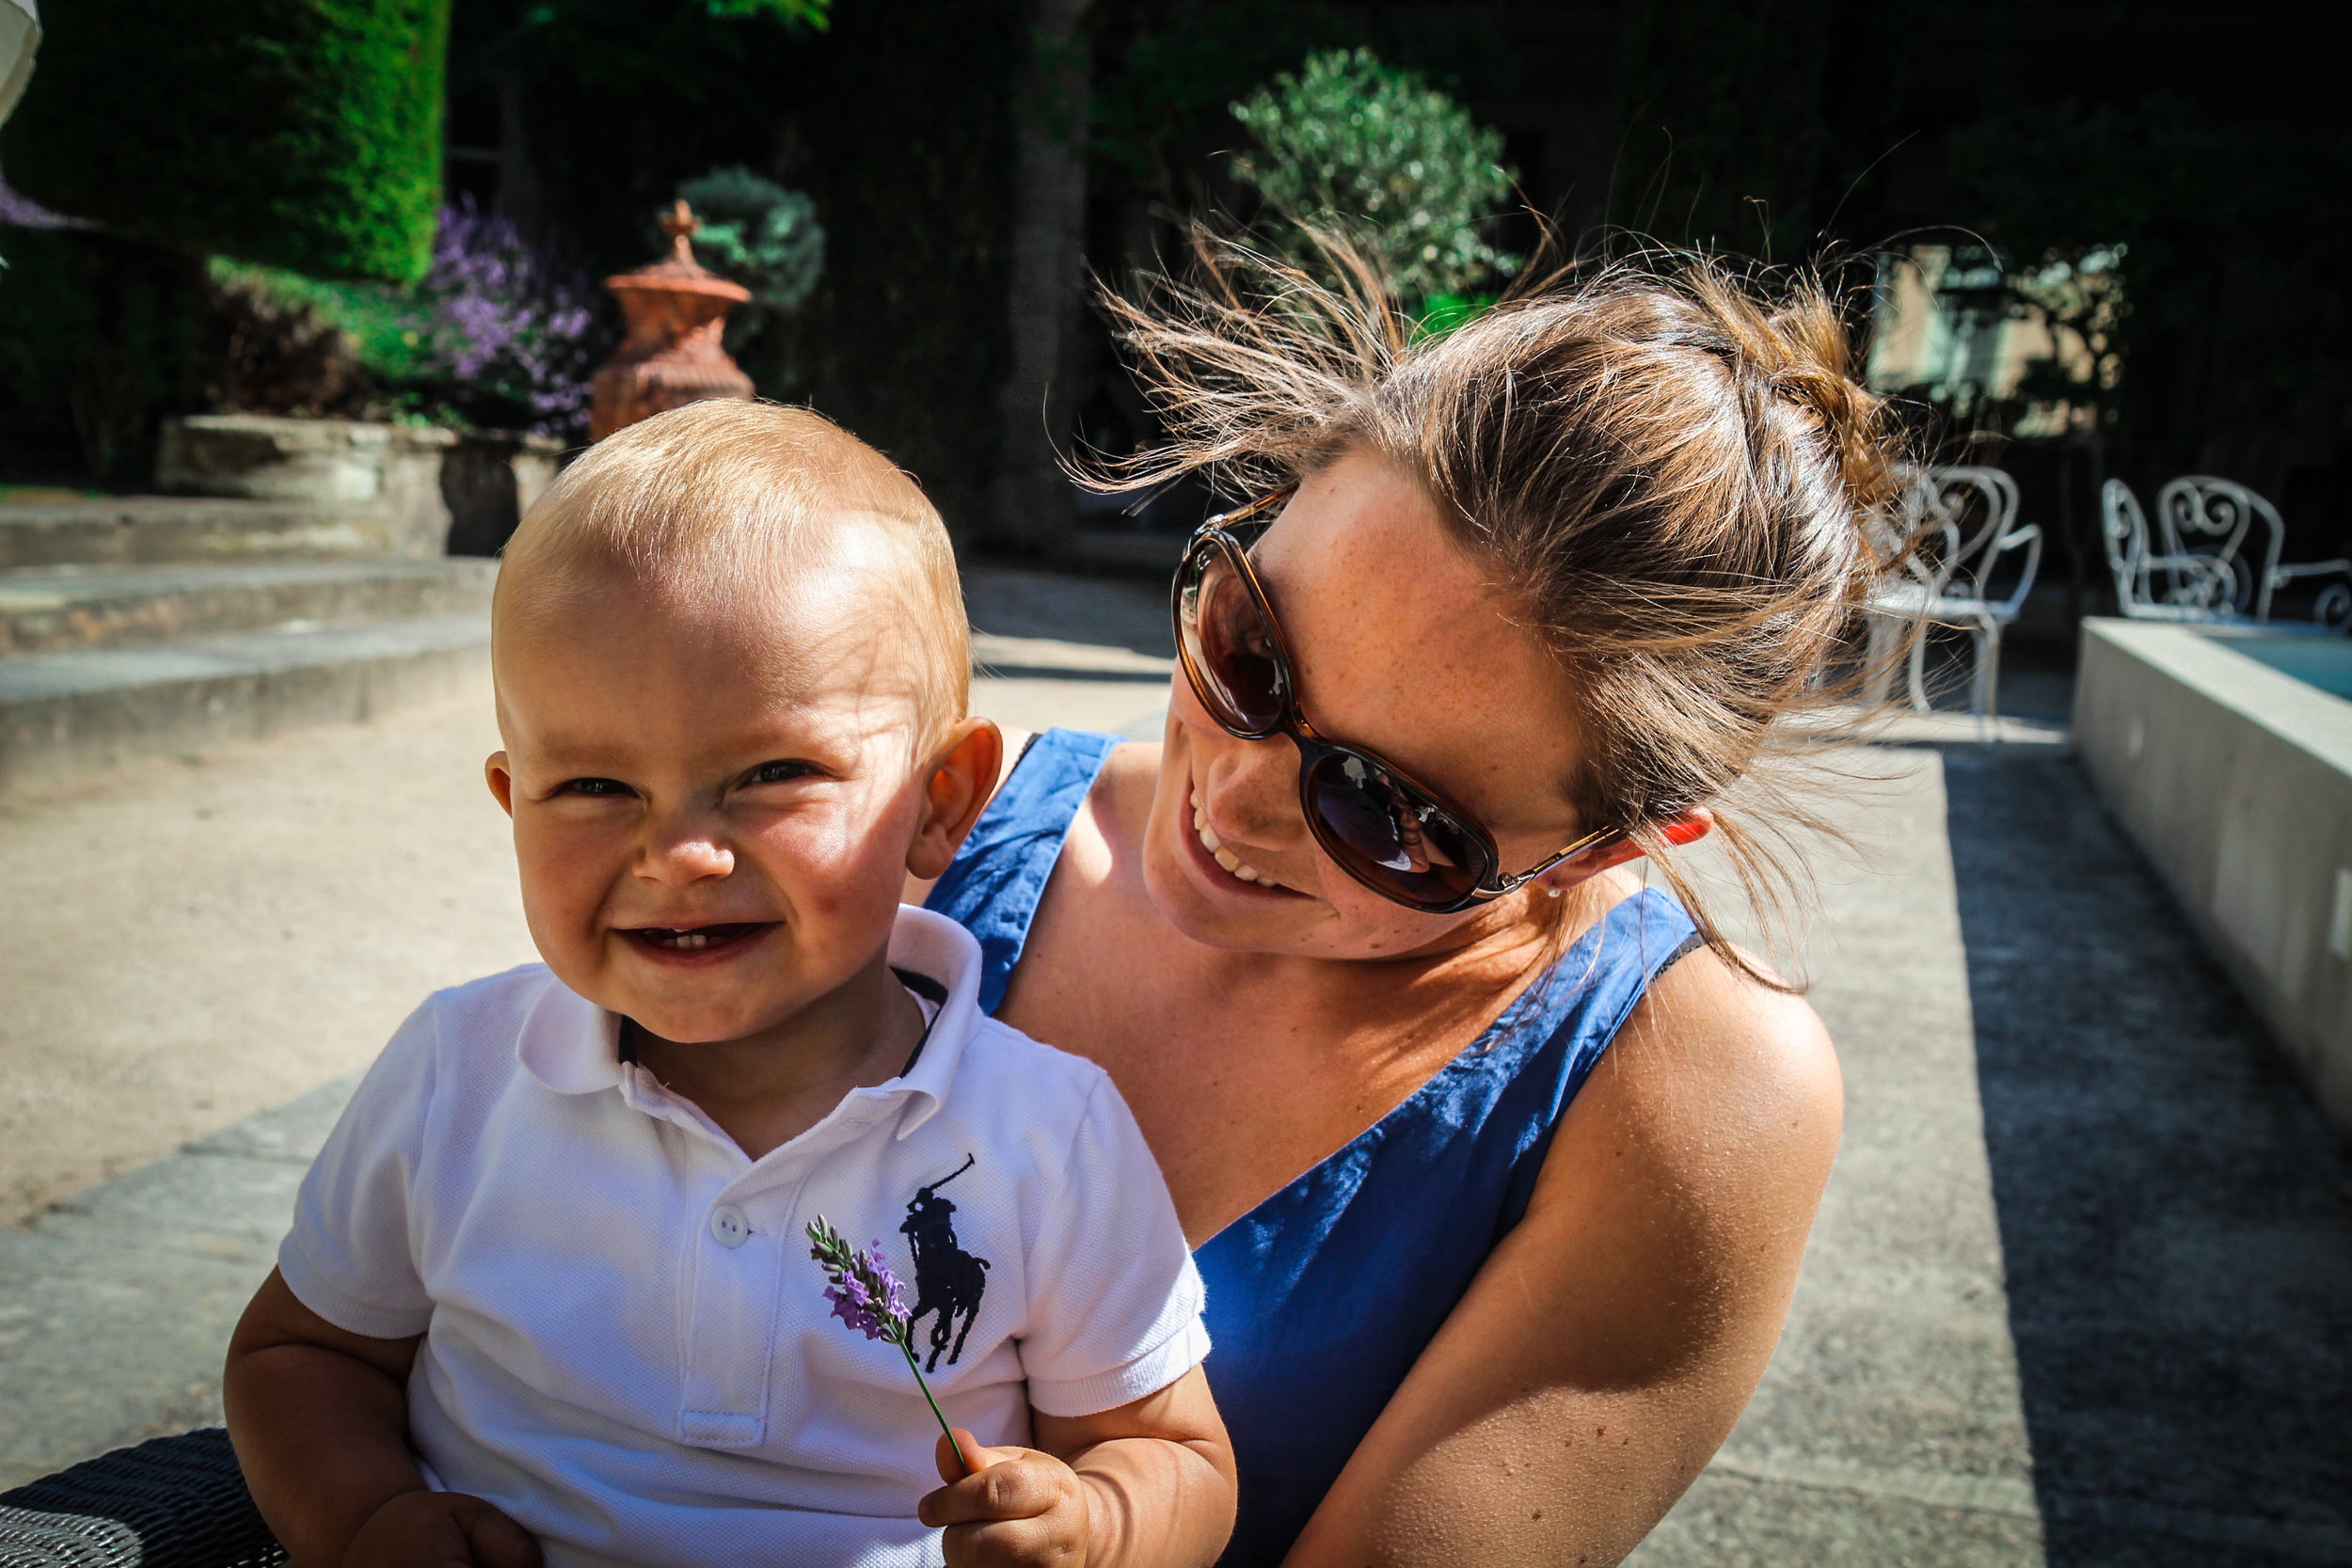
(2081, 1290)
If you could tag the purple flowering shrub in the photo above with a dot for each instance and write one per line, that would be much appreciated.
(507, 325)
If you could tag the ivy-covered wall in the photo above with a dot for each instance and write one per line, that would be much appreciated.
(302, 134)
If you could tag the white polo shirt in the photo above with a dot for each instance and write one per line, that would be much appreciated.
(626, 1344)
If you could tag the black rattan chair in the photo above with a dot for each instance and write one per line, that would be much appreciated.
(175, 1503)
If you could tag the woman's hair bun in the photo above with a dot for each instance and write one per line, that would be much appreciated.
(1788, 334)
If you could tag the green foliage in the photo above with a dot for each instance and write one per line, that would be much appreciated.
(768, 239)
(1162, 112)
(793, 13)
(1441, 313)
(899, 126)
(301, 134)
(105, 328)
(389, 328)
(1374, 151)
(759, 234)
(618, 101)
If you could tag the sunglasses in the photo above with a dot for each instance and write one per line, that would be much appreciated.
(1380, 825)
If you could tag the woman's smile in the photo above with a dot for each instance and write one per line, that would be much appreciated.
(1241, 869)
(1218, 866)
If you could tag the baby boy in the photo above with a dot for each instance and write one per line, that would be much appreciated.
(549, 1289)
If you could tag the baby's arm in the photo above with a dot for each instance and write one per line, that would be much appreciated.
(1149, 1485)
(319, 1416)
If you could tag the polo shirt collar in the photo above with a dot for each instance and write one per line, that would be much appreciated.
(573, 1046)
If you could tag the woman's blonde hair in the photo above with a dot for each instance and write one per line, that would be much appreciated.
(1671, 468)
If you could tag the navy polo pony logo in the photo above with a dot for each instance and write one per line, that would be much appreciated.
(948, 1281)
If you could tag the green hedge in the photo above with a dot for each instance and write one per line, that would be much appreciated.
(300, 134)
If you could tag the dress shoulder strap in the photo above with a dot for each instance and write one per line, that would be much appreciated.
(999, 874)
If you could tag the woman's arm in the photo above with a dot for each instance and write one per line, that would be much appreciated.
(1607, 1347)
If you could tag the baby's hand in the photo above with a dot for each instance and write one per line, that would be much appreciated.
(1020, 1507)
(440, 1530)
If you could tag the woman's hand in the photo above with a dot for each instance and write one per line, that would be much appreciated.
(1017, 1508)
(440, 1530)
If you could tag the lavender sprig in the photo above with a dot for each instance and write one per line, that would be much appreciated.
(868, 1297)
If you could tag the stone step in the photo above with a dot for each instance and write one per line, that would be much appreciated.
(70, 608)
(66, 714)
(151, 530)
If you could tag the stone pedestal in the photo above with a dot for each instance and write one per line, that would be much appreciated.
(394, 470)
(489, 479)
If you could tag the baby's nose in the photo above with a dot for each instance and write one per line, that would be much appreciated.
(688, 858)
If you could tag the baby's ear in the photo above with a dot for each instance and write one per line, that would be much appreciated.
(502, 781)
(962, 777)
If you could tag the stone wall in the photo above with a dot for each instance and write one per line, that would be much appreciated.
(2235, 780)
(432, 491)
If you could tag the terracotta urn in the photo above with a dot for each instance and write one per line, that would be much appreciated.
(671, 356)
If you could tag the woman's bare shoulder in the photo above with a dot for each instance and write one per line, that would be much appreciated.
(1716, 1076)
(1640, 1294)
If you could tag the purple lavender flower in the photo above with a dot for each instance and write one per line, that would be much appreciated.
(503, 317)
(870, 1298)
(867, 1295)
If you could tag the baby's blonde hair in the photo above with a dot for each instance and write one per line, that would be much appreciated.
(720, 504)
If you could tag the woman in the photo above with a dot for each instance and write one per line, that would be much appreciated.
(1498, 1165)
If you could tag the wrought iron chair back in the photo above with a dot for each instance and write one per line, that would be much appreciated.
(1953, 528)
(2199, 514)
(1974, 511)
(2193, 587)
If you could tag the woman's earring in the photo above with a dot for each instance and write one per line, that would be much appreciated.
(1552, 892)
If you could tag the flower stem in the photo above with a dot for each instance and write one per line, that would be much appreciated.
(908, 1350)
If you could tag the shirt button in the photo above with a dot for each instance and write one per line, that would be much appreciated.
(728, 1227)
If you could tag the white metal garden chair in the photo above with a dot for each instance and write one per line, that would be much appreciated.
(1961, 523)
(2199, 515)
(2151, 586)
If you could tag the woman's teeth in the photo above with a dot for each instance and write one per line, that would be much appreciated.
(1241, 869)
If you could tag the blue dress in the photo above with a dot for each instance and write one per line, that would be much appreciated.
(1322, 1297)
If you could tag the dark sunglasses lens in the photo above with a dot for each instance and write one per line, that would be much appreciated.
(1230, 647)
(1390, 836)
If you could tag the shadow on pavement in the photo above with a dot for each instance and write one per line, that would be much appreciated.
(2175, 1217)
